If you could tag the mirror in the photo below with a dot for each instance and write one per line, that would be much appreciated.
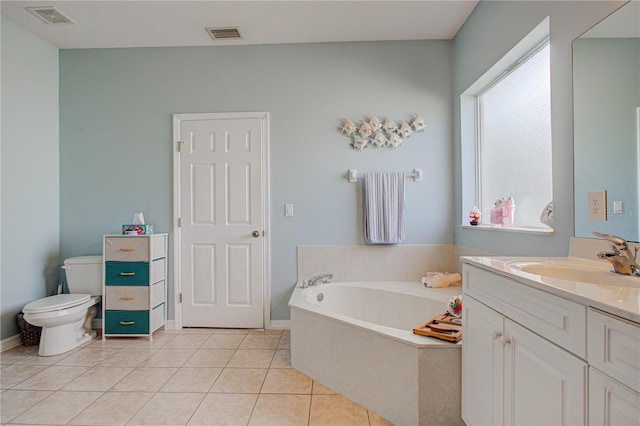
(606, 114)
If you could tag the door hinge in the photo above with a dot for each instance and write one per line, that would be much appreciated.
(179, 222)
(179, 145)
(180, 298)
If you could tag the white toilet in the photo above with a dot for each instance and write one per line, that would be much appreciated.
(66, 318)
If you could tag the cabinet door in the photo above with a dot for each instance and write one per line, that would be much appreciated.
(482, 362)
(544, 385)
(611, 403)
(614, 348)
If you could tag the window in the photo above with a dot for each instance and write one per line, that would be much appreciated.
(510, 145)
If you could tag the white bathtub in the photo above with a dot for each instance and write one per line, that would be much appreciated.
(356, 338)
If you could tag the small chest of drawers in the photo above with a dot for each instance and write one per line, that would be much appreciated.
(135, 284)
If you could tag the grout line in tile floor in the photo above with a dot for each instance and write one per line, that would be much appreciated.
(91, 384)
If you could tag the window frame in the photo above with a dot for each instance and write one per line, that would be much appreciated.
(470, 132)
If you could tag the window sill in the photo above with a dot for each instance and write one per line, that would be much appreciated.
(522, 230)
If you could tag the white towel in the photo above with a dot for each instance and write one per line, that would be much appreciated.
(384, 208)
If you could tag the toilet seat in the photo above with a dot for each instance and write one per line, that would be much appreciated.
(55, 303)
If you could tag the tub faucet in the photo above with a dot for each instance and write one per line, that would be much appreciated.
(620, 256)
(314, 279)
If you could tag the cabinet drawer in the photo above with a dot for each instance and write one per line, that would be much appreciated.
(614, 347)
(559, 320)
(127, 298)
(158, 291)
(126, 249)
(126, 322)
(126, 273)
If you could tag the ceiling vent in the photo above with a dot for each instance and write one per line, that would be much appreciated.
(224, 33)
(50, 15)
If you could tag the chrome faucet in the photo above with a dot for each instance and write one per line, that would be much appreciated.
(314, 279)
(620, 256)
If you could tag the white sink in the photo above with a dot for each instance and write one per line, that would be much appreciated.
(574, 270)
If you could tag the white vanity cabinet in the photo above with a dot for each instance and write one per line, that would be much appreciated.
(511, 372)
(134, 285)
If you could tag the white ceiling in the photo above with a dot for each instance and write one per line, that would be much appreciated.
(136, 23)
(623, 23)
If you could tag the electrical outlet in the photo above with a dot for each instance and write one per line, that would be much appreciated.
(597, 205)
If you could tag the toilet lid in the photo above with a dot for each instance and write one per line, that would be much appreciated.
(53, 303)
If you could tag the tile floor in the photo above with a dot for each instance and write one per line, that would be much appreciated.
(190, 376)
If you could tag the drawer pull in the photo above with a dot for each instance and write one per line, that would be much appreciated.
(127, 322)
(127, 274)
(127, 249)
(128, 298)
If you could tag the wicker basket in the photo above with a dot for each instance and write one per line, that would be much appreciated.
(30, 333)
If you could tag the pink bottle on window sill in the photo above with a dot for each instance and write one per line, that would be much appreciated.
(503, 212)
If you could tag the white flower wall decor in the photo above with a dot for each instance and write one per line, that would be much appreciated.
(380, 133)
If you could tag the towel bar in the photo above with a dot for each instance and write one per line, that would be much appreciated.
(353, 175)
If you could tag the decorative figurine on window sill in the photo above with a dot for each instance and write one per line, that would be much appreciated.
(474, 215)
(546, 217)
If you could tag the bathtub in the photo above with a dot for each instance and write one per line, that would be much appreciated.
(356, 338)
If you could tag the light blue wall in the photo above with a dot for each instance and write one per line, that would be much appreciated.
(30, 171)
(115, 148)
(493, 28)
(607, 93)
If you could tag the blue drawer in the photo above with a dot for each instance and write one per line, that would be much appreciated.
(126, 273)
(126, 322)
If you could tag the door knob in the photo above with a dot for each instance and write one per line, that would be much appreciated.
(255, 234)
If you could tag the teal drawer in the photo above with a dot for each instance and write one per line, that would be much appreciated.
(126, 322)
(126, 273)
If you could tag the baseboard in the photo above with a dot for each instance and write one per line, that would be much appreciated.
(275, 325)
(10, 342)
(280, 324)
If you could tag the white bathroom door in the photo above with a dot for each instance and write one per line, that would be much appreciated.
(221, 219)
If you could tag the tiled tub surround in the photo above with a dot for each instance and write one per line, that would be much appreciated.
(357, 338)
(191, 376)
(375, 262)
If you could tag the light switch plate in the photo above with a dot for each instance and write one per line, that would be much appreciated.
(617, 207)
(597, 205)
(288, 209)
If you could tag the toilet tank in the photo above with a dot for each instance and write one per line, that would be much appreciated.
(84, 274)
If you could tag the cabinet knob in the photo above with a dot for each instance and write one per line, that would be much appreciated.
(505, 341)
(496, 334)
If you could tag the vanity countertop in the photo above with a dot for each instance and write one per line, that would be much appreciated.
(622, 301)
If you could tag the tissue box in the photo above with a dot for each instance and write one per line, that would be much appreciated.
(138, 229)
